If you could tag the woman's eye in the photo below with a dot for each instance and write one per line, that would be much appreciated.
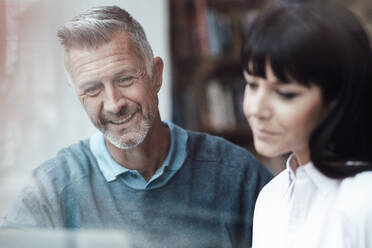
(252, 85)
(287, 95)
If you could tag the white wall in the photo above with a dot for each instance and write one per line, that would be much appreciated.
(39, 113)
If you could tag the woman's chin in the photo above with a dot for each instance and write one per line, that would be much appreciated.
(268, 152)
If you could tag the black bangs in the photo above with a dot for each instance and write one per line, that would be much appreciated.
(291, 45)
(273, 39)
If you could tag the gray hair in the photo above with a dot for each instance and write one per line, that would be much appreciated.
(98, 25)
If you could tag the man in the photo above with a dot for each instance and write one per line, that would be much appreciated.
(161, 184)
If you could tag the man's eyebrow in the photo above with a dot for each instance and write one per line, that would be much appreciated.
(125, 71)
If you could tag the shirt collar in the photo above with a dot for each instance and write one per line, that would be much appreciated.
(111, 169)
(325, 184)
(108, 166)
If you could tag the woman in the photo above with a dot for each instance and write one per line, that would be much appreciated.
(308, 71)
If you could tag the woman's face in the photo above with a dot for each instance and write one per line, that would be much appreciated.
(282, 116)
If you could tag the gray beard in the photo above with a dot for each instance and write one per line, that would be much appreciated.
(129, 140)
(134, 137)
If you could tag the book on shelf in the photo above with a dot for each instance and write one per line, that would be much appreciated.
(219, 33)
(225, 104)
(185, 108)
(237, 87)
(202, 26)
(220, 106)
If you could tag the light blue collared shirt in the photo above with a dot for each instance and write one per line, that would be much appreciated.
(113, 171)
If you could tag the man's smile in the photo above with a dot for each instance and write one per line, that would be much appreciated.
(123, 120)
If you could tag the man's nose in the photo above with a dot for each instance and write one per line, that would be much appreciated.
(113, 101)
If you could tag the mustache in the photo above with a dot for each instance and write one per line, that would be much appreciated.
(108, 116)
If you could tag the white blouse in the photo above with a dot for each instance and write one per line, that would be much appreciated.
(308, 209)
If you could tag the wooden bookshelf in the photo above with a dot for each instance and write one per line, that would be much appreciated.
(208, 86)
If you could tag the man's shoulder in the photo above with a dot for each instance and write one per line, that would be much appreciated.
(206, 147)
(201, 143)
(70, 163)
(236, 166)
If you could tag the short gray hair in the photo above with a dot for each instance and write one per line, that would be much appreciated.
(98, 25)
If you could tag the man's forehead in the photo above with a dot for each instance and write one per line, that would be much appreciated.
(95, 42)
(118, 43)
(120, 48)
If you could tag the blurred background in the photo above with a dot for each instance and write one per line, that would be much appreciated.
(199, 41)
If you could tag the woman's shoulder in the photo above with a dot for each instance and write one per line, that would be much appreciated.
(277, 187)
(357, 186)
(355, 197)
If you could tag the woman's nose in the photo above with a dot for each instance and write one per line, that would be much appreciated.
(257, 104)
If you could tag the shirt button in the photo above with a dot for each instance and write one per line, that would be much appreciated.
(134, 175)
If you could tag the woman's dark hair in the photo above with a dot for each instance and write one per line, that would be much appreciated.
(324, 45)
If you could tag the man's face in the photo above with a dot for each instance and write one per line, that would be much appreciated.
(115, 89)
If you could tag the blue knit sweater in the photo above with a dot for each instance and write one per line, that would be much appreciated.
(208, 203)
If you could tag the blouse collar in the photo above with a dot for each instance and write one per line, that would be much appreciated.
(325, 184)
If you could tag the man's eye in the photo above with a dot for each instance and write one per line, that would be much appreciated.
(125, 81)
(92, 91)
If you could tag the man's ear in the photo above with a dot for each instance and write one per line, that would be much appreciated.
(157, 73)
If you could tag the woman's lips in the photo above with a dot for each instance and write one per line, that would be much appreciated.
(264, 134)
